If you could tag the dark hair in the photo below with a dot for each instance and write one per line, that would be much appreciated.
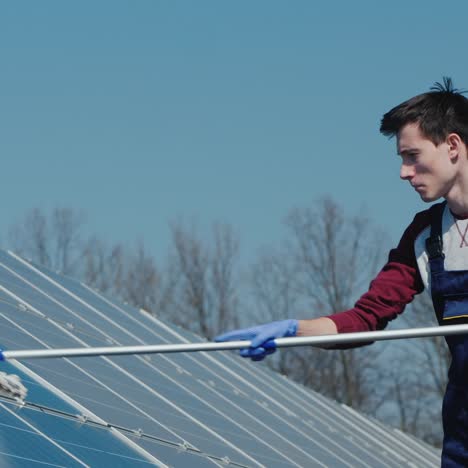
(439, 112)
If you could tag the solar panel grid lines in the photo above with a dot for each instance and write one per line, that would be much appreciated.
(22, 460)
(238, 408)
(133, 336)
(56, 302)
(270, 420)
(193, 358)
(135, 407)
(84, 449)
(327, 416)
(366, 429)
(289, 412)
(178, 447)
(189, 416)
(34, 429)
(92, 377)
(252, 434)
(397, 438)
(311, 440)
(394, 441)
(62, 441)
(108, 426)
(307, 454)
(244, 429)
(138, 381)
(83, 410)
(155, 319)
(153, 421)
(378, 458)
(415, 449)
(84, 303)
(98, 448)
(259, 371)
(416, 444)
(418, 448)
(267, 428)
(136, 338)
(31, 452)
(337, 445)
(349, 427)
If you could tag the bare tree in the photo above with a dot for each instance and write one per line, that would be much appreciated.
(66, 236)
(131, 274)
(326, 262)
(30, 237)
(222, 277)
(272, 281)
(54, 241)
(420, 380)
(432, 354)
(335, 255)
(103, 266)
(144, 285)
(205, 279)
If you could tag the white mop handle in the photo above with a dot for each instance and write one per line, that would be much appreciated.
(323, 340)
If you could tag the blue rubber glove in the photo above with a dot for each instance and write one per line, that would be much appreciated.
(261, 337)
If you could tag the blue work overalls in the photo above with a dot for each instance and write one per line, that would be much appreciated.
(449, 291)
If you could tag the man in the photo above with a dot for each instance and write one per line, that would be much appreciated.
(431, 130)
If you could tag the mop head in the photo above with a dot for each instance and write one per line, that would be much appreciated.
(11, 386)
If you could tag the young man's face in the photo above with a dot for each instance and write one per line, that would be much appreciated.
(427, 167)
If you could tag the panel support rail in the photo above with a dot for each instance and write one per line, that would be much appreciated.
(321, 341)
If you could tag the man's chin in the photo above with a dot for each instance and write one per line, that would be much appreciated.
(426, 198)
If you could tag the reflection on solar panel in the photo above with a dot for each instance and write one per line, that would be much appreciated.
(190, 410)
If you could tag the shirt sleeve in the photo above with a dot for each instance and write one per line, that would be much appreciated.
(392, 289)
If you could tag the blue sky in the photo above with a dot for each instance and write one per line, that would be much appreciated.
(138, 113)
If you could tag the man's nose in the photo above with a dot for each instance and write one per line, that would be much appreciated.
(406, 172)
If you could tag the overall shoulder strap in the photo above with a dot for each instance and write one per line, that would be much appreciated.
(434, 241)
(434, 248)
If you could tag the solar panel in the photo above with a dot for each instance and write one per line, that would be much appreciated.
(200, 409)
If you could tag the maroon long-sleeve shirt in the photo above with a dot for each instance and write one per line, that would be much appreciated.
(405, 274)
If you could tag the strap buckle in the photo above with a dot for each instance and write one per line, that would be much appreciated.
(434, 247)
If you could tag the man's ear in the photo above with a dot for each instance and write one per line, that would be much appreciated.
(455, 144)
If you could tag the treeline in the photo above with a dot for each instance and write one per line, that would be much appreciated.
(325, 262)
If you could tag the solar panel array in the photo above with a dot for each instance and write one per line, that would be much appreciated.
(182, 410)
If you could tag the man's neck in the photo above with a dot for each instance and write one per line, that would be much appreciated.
(457, 198)
(459, 216)
(458, 204)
